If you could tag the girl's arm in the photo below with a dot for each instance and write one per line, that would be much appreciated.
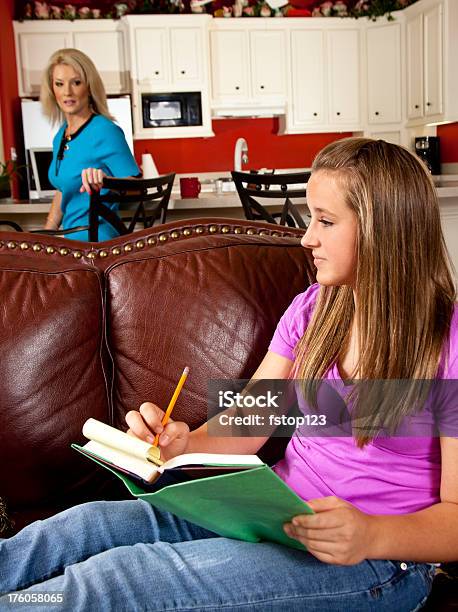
(340, 533)
(54, 218)
(175, 438)
(273, 367)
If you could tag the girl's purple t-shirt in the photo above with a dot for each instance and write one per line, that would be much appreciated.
(390, 475)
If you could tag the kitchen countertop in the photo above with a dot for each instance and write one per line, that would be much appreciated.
(206, 200)
(446, 187)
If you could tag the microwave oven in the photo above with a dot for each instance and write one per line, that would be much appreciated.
(171, 109)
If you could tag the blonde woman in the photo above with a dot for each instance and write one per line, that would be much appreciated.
(88, 145)
(386, 506)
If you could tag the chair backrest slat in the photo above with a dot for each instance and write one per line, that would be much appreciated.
(251, 187)
(146, 199)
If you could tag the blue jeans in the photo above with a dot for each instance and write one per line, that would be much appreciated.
(123, 556)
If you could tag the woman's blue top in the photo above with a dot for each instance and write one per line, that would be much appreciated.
(99, 143)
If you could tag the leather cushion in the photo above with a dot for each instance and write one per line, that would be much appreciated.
(51, 376)
(211, 303)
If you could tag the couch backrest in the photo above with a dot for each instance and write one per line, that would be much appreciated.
(94, 330)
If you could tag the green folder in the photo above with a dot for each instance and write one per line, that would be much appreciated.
(250, 505)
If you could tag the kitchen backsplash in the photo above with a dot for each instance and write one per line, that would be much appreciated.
(265, 147)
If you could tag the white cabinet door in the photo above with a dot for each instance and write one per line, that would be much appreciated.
(268, 64)
(433, 61)
(415, 67)
(106, 49)
(35, 49)
(307, 58)
(152, 51)
(230, 68)
(101, 40)
(383, 45)
(186, 52)
(343, 60)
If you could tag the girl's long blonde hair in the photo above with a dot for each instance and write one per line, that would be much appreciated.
(84, 66)
(404, 286)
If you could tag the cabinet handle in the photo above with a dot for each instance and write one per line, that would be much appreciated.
(156, 72)
(183, 72)
(377, 113)
(417, 106)
(315, 114)
(338, 113)
(429, 103)
(262, 86)
(237, 87)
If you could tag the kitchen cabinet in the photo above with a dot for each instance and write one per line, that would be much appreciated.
(344, 86)
(414, 31)
(166, 57)
(169, 53)
(432, 49)
(433, 60)
(308, 83)
(101, 40)
(383, 72)
(425, 63)
(325, 87)
(249, 67)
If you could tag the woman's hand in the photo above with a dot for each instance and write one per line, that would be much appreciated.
(337, 533)
(92, 179)
(145, 423)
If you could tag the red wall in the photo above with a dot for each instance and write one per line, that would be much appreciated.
(9, 101)
(265, 148)
(449, 142)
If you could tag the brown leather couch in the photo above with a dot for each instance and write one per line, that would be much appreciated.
(96, 330)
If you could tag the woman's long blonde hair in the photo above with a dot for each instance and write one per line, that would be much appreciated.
(404, 286)
(84, 66)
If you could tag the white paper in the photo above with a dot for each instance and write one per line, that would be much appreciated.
(148, 166)
(100, 432)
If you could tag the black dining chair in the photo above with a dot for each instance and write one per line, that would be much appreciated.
(11, 225)
(139, 201)
(144, 200)
(287, 187)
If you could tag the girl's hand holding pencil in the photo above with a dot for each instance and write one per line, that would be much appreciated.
(153, 425)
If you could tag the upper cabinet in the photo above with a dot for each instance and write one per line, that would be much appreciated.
(383, 72)
(432, 49)
(344, 78)
(318, 75)
(101, 40)
(169, 54)
(249, 66)
(325, 88)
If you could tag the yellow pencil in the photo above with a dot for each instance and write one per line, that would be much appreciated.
(172, 403)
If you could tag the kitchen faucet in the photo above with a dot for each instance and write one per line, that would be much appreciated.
(240, 154)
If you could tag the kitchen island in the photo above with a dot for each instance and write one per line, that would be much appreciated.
(32, 216)
(222, 203)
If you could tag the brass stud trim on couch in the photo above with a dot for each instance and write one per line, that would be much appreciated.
(153, 240)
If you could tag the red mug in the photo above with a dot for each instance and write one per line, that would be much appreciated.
(190, 187)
